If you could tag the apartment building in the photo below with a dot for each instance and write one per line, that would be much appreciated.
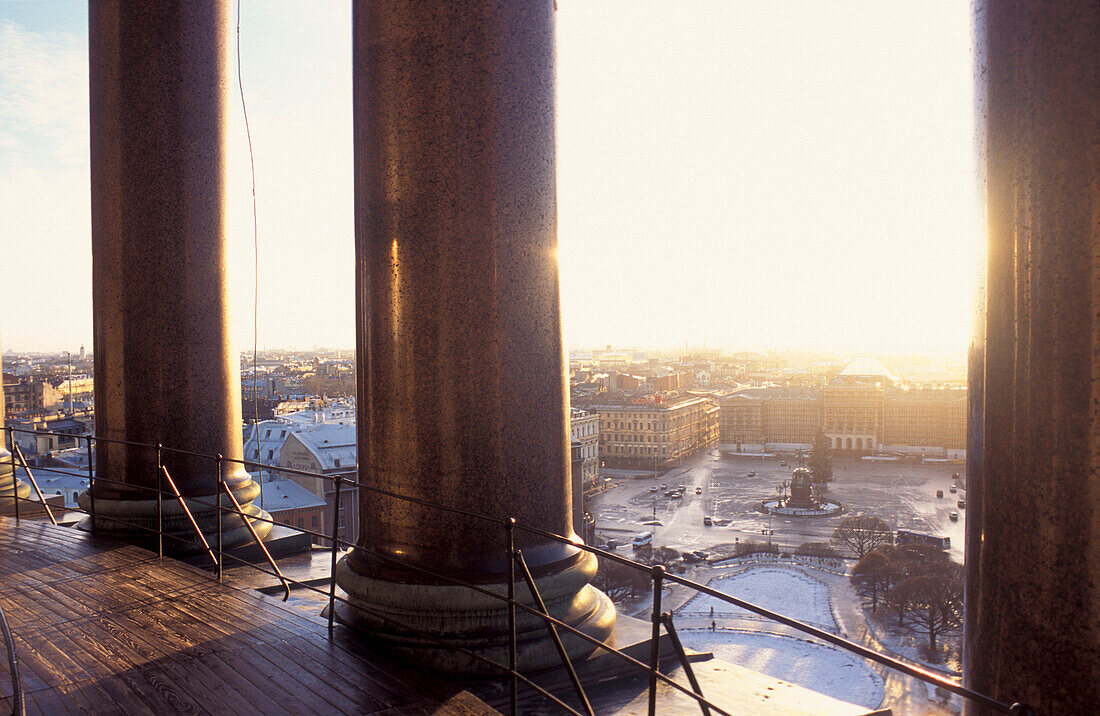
(584, 431)
(862, 410)
(921, 418)
(649, 432)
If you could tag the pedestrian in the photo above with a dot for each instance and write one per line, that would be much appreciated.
(713, 626)
(711, 611)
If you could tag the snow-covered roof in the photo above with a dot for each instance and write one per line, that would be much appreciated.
(866, 367)
(334, 446)
(288, 495)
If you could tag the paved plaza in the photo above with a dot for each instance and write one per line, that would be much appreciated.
(904, 495)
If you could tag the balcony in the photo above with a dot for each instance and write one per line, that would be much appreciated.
(141, 630)
(461, 383)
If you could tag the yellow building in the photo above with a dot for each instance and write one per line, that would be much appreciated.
(925, 417)
(862, 410)
(787, 417)
(644, 433)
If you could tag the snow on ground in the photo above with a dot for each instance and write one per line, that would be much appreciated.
(820, 667)
(789, 591)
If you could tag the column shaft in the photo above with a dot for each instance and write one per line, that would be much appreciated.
(165, 370)
(462, 388)
(1033, 542)
(11, 487)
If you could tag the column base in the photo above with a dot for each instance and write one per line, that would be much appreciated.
(424, 623)
(135, 521)
(11, 488)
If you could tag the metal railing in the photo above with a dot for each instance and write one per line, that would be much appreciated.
(518, 571)
(17, 697)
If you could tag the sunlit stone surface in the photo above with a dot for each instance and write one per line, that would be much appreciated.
(1033, 533)
(165, 369)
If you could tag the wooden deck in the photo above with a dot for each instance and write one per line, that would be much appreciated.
(106, 628)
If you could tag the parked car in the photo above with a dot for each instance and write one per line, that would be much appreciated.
(654, 488)
(783, 463)
(612, 544)
(953, 488)
(939, 493)
(954, 515)
(700, 554)
(752, 474)
(698, 490)
(707, 521)
(961, 504)
(664, 485)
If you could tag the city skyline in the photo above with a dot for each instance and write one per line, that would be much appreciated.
(755, 175)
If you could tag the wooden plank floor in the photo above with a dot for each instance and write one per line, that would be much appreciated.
(105, 628)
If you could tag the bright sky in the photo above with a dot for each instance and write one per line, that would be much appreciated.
(759, 174)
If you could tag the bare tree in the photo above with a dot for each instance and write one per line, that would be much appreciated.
(934, 605)
(620, 582)
(871, 576)
(863, 533)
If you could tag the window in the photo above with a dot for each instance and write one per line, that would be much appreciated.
(301, 522)
(313, 522)
(336, 462)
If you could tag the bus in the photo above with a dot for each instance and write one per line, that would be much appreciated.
(643, 539)
(909, 537)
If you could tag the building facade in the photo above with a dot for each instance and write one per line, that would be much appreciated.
(21, 396)
(329, 450)
(859, 415)
(584, 429)
(913, 420)
(649, 433)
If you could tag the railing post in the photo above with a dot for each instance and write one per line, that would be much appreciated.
(190, 517)
(513, 682)
(91, 483)
(658, 573)
(666, 618)
(160, 504)
(17, 452)
(218, 506)
(256, 538)
(541, 606)
(335, 548)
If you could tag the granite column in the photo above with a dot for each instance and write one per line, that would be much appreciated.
(165, 368)
(1033, 533)
(11, 487)
(462, 390)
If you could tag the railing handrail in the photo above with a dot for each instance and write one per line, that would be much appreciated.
(17, 696)
(509, 523)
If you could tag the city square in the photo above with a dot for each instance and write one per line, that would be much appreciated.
(733, 486)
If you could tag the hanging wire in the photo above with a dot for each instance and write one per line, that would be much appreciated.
(255, 264)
